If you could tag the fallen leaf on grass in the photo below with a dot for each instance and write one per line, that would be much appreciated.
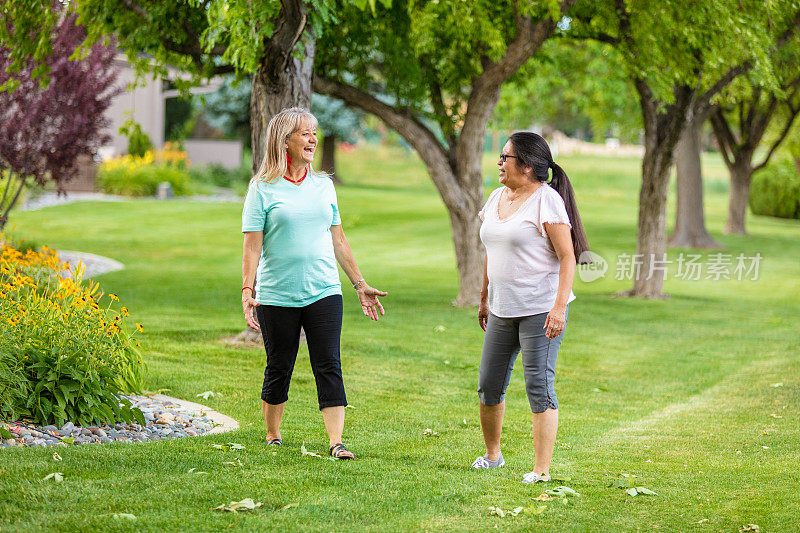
(635, 491)
(288, 506)
(749, 527)
(562, 492)
(57, 457)
(773, 415)
(440, 329)
(58, 477)
(774, 385)
(234, 507)
(430, 433)
(124, 516)
(192, 471)
(536, 510)
(496, 511)
(703, 521)
(515, 511)
(228, 446)
(237, 462)
(543, 497)
(464, 421)
(349, 406)
(303, 451)
(209, 394)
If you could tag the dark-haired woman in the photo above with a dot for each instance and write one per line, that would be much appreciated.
(532, 234)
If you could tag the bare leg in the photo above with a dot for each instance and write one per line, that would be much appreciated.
(333, 417)
(334, 423)
(273, 414)
(545, 426)
(492, 426)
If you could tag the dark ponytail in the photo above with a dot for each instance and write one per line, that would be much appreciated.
(532, 151)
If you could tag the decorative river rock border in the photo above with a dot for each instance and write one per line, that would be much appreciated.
(167, 418)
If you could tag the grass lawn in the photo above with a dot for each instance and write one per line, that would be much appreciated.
(679, 392)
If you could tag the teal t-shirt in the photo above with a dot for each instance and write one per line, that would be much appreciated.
(297, 265)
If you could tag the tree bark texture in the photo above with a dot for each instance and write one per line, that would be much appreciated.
(690, 227)
(663, 126)
(329, 155)
(282, 79)
(741, 174)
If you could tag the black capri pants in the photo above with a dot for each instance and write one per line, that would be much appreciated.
(280, 329)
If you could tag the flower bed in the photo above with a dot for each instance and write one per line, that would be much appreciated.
(132, 175)
(64, 356)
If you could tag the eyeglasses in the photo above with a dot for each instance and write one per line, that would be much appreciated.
(504, 157)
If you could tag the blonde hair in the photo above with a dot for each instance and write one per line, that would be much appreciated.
(287, 121)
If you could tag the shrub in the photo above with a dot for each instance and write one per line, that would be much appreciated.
(62, 356)
(219, 176)
(139, 176)
(139, 142)
(775, 190)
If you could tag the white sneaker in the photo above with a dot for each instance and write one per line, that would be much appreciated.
(533, 477)
(483, 462)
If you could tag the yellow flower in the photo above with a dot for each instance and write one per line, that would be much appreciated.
(113, 297)
(124, 311)
(139, 327)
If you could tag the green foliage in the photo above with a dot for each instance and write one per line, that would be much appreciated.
(668, 44)
(139, 142)
(62, 356)
(421, 56)
(572, 86)
(219, 176)
(775, 190)
(143, 180)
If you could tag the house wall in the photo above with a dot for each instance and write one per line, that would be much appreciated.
(144, 102)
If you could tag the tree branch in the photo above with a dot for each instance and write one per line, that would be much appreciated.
(292, 22)
(724, 135)
(485, 90)
(192, 49)
(788, 126)
(411, 129)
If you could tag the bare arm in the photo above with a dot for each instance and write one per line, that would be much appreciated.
(250, 255)
(483, 308)
(561, 238)
(368, 296)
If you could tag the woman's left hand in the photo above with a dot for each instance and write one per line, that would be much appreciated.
(370, 305)
(555, 322)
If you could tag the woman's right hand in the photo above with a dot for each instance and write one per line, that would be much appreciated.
(249, 305)
(483, 314)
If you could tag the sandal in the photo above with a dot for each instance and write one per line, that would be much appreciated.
(340, 452)
(275, 442)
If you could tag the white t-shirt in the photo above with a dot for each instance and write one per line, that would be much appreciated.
(522, 264)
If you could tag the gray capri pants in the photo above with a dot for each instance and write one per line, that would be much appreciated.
(504, 339)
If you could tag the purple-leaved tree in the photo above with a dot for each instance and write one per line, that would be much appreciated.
(44, 130)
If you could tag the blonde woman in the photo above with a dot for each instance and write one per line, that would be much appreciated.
(293, 239)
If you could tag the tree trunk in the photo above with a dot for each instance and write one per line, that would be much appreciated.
(470, 253)
(276, 87)
(741, 173)
(651, 242)
(329, 156)
(690, 227)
